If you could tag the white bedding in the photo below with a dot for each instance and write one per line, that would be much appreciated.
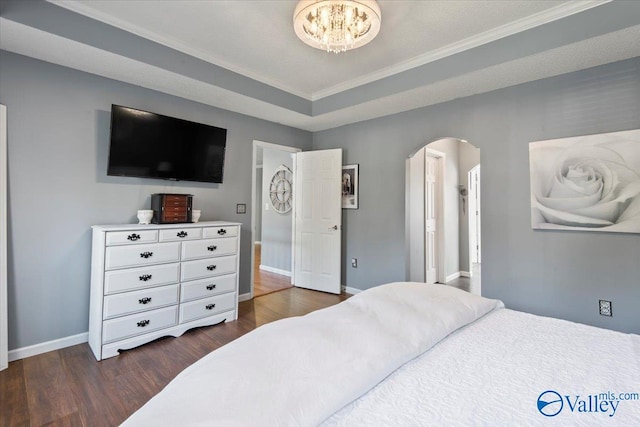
(491, 373)
(299, 371)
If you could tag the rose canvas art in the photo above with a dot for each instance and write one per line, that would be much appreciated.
(587, 183)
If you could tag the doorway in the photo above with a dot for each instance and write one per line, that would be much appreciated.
(449, 248)
(271, 222)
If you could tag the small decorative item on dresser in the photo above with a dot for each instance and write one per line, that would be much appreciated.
(195, 215)
(145, 216)
(171, 208)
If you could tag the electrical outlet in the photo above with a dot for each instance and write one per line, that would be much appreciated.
(605, 308)
(354, 262)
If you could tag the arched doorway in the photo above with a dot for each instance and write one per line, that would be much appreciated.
(442, 214)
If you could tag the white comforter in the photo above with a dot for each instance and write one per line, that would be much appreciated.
(492, 372)
(299, 371)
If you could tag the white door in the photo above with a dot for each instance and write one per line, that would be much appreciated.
(4, 361)
(318, 219)
(431, 174)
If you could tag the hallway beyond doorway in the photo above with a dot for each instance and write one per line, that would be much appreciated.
(265, 282)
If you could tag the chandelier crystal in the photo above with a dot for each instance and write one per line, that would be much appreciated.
(337, 25)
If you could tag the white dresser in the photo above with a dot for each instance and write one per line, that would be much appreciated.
(150, 281)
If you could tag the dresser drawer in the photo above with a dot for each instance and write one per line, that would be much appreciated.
(133, 302)
(175, 217)
(207, 287)
(210, 232)
(131, 256)
(138, 324)
(129, 237)
(175, 234)
(176, 200)
(207, 267)
(209, 247)
(131, 279)
(207, 307)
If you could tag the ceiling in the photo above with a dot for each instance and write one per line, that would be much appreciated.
(244, 56)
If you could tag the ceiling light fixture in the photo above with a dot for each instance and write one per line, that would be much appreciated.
(337, 25)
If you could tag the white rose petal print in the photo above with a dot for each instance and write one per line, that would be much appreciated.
(587, 183)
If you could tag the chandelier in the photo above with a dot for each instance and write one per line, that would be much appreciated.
(337, 25)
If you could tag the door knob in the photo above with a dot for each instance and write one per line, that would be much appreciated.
(335, 227)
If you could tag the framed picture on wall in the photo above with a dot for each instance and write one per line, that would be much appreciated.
(350, 187)
(586, 183)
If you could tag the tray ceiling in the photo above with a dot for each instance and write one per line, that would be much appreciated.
(244, 55)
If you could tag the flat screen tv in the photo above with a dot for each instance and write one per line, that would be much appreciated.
(149, 145)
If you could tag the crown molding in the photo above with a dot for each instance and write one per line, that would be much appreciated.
(83, 8)
(553, 14)
(556, 13)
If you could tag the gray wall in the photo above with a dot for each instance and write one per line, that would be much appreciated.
(560, 274)
(58, 137)
(277, 228)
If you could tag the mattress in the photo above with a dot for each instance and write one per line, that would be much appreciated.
(494, 371)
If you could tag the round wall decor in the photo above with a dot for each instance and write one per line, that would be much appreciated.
(280, 189)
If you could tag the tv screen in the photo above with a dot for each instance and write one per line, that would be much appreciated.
(149, 145)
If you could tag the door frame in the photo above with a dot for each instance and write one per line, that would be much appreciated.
(475, 219)
(4, 328)
(261, 145)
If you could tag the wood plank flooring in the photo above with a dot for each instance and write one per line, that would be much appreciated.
(265, 282)
(68, 387)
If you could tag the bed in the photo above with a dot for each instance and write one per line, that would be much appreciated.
(409, 354)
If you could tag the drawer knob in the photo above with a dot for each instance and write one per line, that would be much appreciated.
(210, 306)
(143, 323)
(182, 234)
(212, 248)
(145, 300)
(222, 232)
(211, 267)
(211, 287)
(145, 277)
(146, 254)
(133, 237)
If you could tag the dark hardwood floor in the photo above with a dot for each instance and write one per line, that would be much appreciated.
(265, 282)
(69, 387)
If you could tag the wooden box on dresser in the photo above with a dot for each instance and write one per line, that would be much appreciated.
(150, 281)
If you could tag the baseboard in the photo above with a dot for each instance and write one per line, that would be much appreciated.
(465, 274)
(352, 291)
(275, 270)
(258, 242)
(244, 297)
(34, 350)
(452, 277)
